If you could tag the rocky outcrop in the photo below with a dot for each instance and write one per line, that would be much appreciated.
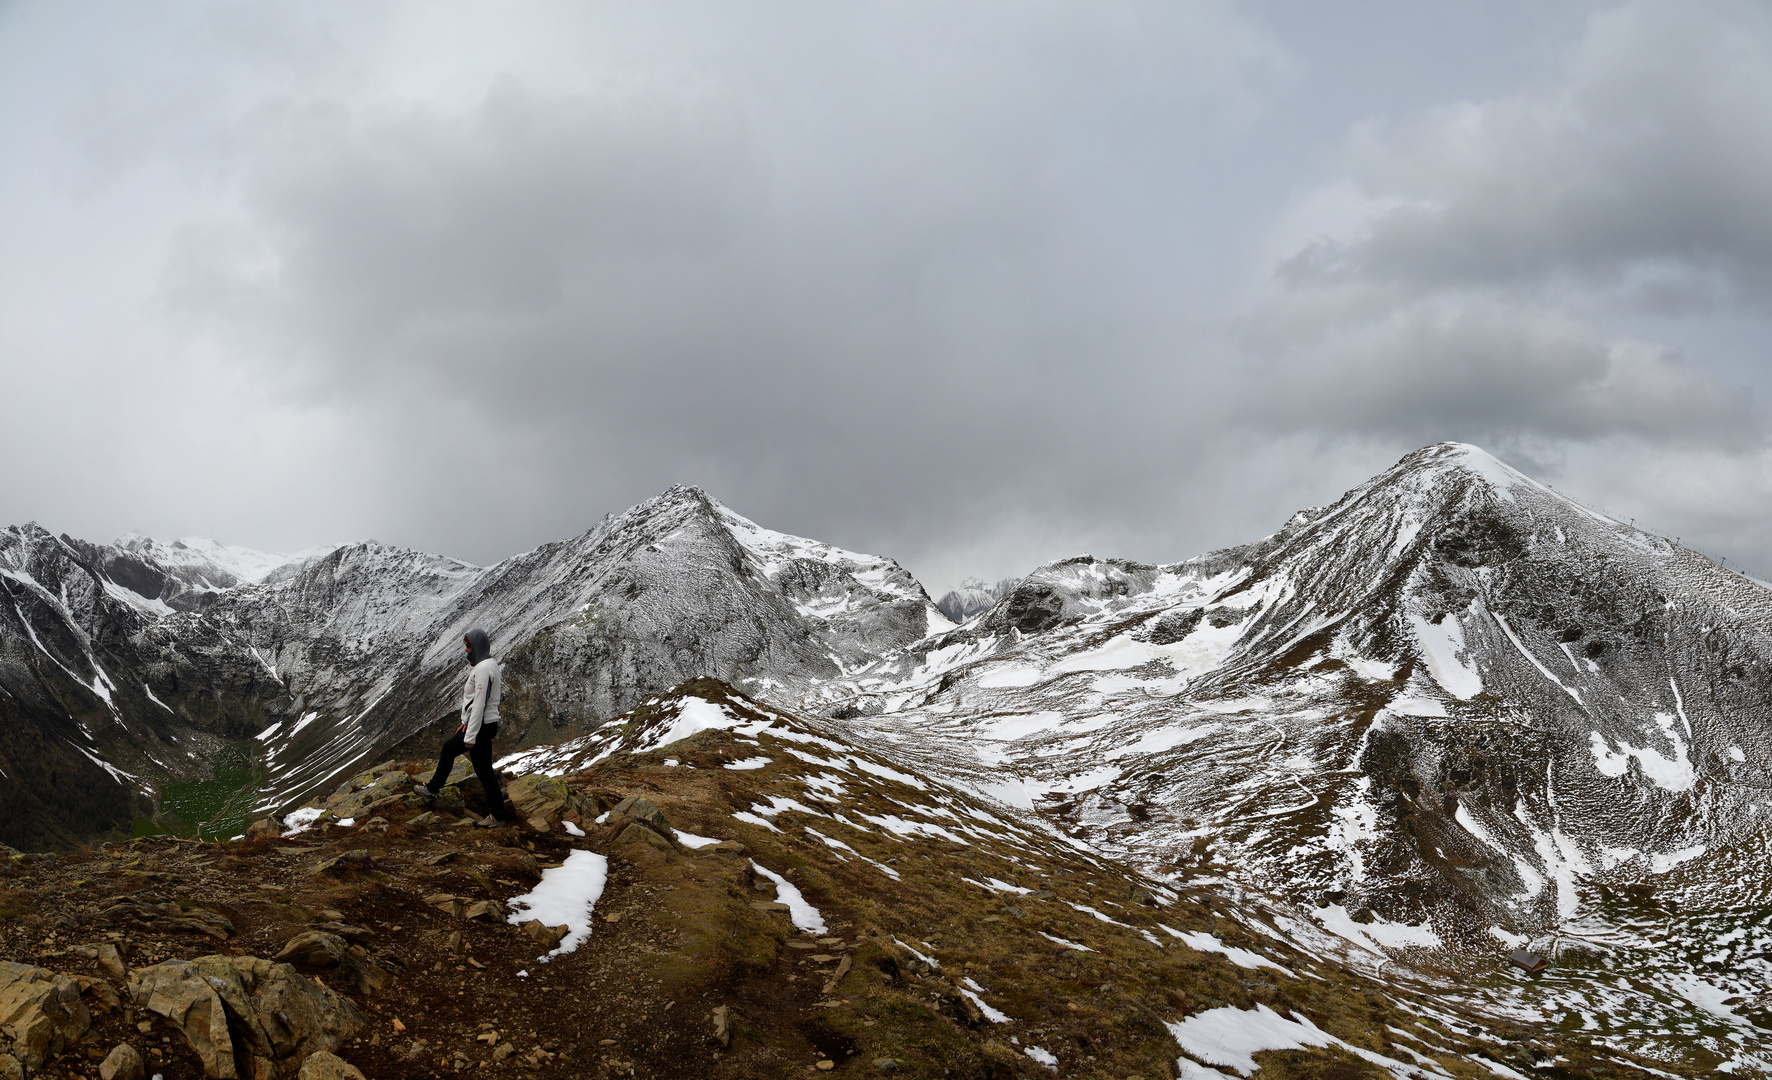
(242, 1015)
(41, 1014)
(167, 919)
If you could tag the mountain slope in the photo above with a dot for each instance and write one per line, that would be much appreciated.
(1452, 696)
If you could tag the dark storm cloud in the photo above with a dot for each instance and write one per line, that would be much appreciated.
(1505, 251)
(834, 311)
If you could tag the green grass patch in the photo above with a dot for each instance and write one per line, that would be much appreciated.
(219, 807)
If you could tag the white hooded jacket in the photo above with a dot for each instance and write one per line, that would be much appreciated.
(479, 698)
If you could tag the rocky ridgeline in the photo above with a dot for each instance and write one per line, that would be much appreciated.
(778, 902)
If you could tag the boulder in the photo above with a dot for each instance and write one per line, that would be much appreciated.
(322, 1065)
(243, 1014)
(265, 828)
(123, 1063)
(345, 862)
(451, 800)
(490, 910)
(636, 833)
(358, 793)
(41, 1014)
(318, 948)
(112, 961)
(547, 799)
(641, 809)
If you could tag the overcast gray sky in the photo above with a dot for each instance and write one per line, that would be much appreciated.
(972, 285)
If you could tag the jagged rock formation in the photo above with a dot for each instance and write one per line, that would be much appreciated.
(1455, 705)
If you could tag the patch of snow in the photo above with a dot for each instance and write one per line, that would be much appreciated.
(1497, 1068)
(1376, 935)
(1512, 941)
(300, 821)
(1066, 944)
(1201, 941)
(1661, 864)
(692, 841)
(751, 819)
(1041, 1055)
(1448, 659)
(116, 774)
(1674, 774)
(800, 913)
(839, 845)
(1002, 677)
(748, 763)
(567, 894)
(1533, 660)
(1418, 706)
(694, 715)
(572, 829)
(1230, 1036)
(888, 773)
(972, 990)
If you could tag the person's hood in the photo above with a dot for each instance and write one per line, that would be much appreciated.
(479, 646)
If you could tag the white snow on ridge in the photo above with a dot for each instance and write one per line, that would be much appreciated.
(694, 715)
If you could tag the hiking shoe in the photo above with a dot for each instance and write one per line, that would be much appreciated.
(423, 792)
(488, 822)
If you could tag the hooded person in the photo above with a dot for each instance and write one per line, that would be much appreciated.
(478, 727)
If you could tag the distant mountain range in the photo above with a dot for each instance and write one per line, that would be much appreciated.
(973, 597)
(1453, 705)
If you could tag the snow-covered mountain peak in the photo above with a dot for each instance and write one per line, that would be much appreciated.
(216, 565)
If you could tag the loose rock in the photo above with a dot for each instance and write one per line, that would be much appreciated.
(123, 1063)
(323, 1065)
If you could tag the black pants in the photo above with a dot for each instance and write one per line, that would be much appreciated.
(481, 756)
